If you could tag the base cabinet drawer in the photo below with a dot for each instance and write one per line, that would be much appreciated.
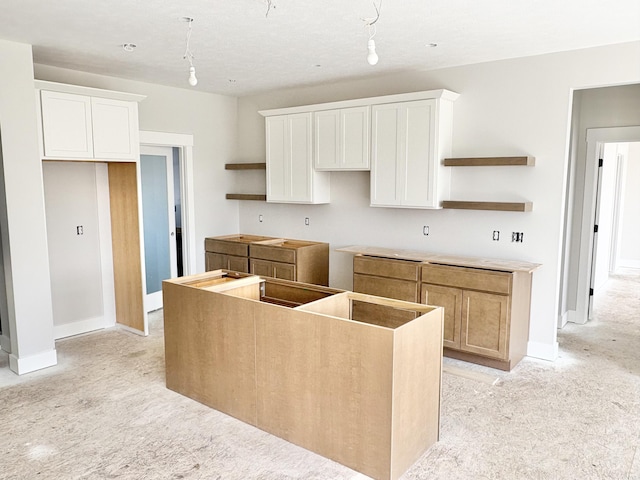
(388, 268)
(386, 287)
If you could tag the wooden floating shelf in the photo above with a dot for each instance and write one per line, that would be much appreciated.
(245, 166)
(502, 206)
(489, 161)
(246, 196)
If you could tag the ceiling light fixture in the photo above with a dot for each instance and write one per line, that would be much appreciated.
(129, 47)
(372, 56)
(193, 81)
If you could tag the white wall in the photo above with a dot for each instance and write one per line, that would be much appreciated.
(22, 216)
(629, 252)
(211, 119)
(71, 199)
(511, 107)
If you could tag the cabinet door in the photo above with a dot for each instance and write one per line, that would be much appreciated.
(216, 261)
(417, 170)
(403, 162)
(385, 155)
(484, 324)
(261, 267)
(341, 139)
(326, 140)
(66, 125)
(285, 271)
(115, 129)
(451, 300)
(290, 174)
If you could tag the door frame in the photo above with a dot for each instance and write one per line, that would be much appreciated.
(184, 144)
(596, 137)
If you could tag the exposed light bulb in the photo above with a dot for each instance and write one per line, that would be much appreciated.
(372, 57)
(193, 81)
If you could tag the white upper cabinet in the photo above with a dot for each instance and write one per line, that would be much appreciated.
(401, 138)
(88, 126)
(115, 129)
(290, 174)
(66, 125)
(409, 141)
(341, 139)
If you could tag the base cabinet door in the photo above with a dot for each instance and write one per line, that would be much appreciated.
(484, 324)
(267, 268)
(216, 261)
(451, 300)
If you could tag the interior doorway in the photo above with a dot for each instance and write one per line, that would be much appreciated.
(159, 220)
(179, 148)
(610, 237)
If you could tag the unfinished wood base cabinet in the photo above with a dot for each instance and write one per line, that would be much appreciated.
(297, 361)
(486, 310)
(297, 260)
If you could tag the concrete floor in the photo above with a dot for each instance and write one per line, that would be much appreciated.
(104, 413)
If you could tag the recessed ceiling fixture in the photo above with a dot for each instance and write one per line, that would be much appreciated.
(129, 47)
(370, 23)
(432, 45)
(193, 81)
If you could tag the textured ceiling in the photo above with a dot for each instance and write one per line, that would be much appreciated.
(239, 50)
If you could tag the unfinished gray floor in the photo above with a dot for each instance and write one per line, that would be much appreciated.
(104, 412)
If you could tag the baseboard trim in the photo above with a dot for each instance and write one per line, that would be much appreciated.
(82, 326)
(5, 343)
(543, 351)
(32, 363)
(628, 263)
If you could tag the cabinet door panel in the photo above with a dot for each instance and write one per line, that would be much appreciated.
(385, 155)
(418, 139)
(238, 264)
(277, 172)
(261, 267)
(285, 271)
(386, 287)
(114, 129)
(354, 131)
(327, 139)
(66, 125)
(484, 324)
(214, 261)
(451, 300)
(300, 162)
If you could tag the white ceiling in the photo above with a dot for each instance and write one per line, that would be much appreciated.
(239, 50)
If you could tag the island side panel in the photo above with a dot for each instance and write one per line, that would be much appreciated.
(210, 349)
(417, 376)
(325, 384)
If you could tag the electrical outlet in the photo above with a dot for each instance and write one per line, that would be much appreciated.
(79, 230)
(517, 237)
(260, 218)
(306, 221)
(496, 235)
(425, 230)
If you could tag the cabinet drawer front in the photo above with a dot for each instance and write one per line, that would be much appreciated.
(470, 278)
(383, 267)
(386, 287)
(271, 252)
(230, 248)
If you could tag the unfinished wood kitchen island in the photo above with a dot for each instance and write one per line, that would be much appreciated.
(298, 361)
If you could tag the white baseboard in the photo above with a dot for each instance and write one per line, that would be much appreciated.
(82, 326)
(543, 351)
(32, 363)
(5, 343)
(628, 263)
